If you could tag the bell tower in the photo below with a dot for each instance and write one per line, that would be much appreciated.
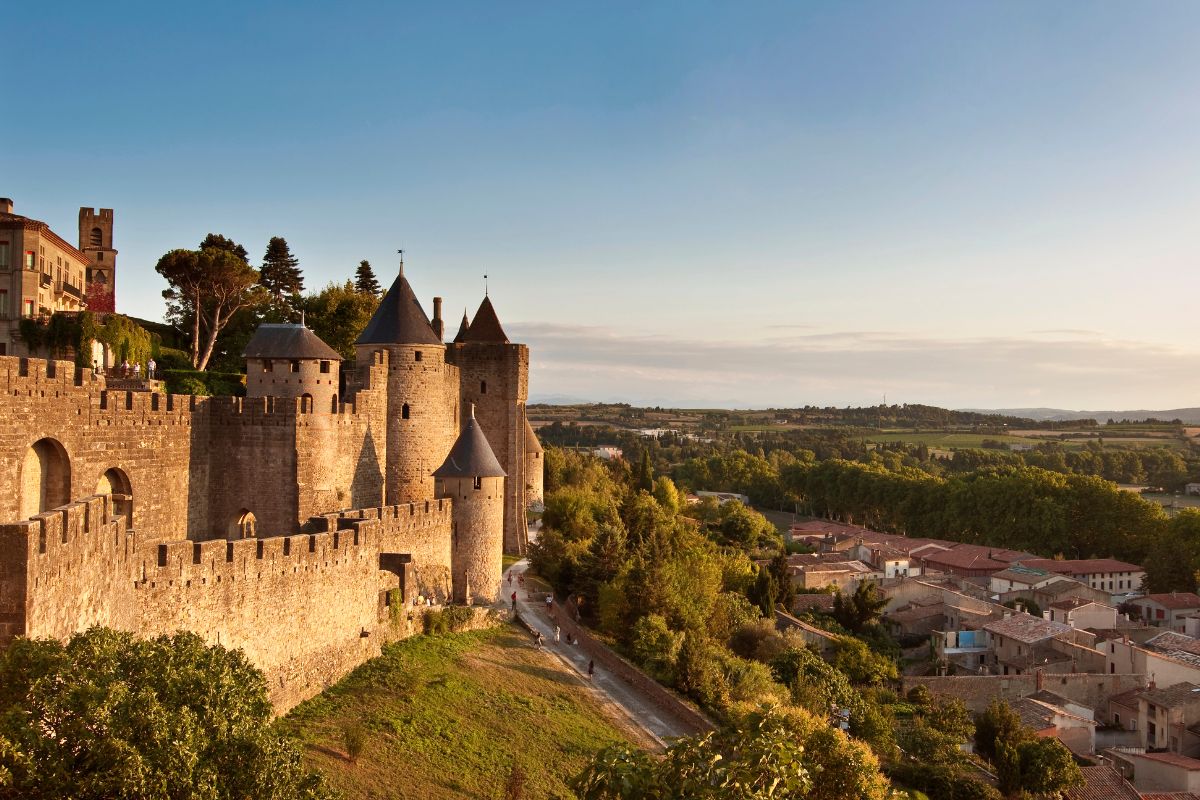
(96, 242)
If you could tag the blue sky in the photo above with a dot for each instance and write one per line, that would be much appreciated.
(964, 204)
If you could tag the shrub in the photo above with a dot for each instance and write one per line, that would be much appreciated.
(354, 738)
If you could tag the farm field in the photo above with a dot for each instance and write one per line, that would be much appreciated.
(944, 439)
(448, 717)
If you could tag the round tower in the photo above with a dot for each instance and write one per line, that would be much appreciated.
(473, 479)
(535, 468)
(422, 392)
(292, 361)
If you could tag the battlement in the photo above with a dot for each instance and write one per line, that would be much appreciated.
(91, 213)
(53, 532)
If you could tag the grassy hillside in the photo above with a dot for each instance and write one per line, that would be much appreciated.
(448, 716)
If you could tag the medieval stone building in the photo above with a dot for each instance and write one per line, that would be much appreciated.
(292, 523)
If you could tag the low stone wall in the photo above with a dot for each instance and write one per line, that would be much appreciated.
(977, 691)
(652, 690)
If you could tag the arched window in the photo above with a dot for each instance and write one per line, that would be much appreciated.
(306, 402)
(404, 411)
(115, 482)
(333, 407)
(97, 237)
(243, 526)
(45, 477)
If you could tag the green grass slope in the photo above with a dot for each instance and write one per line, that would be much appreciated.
(448, 716)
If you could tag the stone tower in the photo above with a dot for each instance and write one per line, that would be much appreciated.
(474, 481)
(495, 378)
(291, 361)
(535, 467)
(422, 392)
(96, 242)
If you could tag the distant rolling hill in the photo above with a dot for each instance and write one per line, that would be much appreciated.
(1190, 416)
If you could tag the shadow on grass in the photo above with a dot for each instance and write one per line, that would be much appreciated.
(545, 673)
(329, 751)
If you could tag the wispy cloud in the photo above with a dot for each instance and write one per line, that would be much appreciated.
(1052, 367)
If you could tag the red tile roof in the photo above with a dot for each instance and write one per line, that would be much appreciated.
(1174, 759)
(1081, 566)
(1171, 600)
(1103, 783)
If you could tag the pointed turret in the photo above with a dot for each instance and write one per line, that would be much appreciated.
(486, 325)
(463, 327)
(471, 456)
(473, 480)
(399, 318)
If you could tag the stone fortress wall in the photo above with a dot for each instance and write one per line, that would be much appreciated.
(276, 524)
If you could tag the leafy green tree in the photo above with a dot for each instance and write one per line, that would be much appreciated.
(365, 280)
(744, 527)
(280, 275)
(860, 609)
(862, 666)
(644, 480)
(338, 314)
(1047, 768)
(998, 723)
(208, 287)
(656, 647)
(108, 715)
(762, 759)
(765, 593)
(782, 573)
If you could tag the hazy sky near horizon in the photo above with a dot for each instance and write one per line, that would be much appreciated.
(677, 203)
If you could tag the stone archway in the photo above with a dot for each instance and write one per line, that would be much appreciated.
(115, 482)
(45, 477)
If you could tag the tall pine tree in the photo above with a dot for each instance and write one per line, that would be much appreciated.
(364, 279)
(282, 279)
(281, 270)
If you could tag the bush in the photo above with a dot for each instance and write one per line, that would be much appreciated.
(655, 646)
(450, 619)
(209, 384)
(354, 738)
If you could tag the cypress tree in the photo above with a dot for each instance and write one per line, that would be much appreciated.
(281, 270)
(364, 279)
(645, 474)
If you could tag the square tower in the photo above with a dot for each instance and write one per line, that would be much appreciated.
(96, 242)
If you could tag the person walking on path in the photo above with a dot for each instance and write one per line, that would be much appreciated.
(514, 601)
(592, 669)
(557, 631)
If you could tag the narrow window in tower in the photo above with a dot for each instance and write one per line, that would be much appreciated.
(295, 365)
(478, 483)
(99, 256)
(417, 356)
(404, 412)
(325, 367)
(267, 366)
(483, 387)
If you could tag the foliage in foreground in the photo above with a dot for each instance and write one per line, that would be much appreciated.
(766, 753)
(109, 715)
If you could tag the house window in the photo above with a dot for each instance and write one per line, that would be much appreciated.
(295, 365)
(325, 367)
(29, 308)
(3, 255)
(404, 411)
(28, 259)
(3, 302)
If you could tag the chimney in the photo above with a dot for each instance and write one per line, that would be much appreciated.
(6, 205)
(1040, 679)
(438, 326)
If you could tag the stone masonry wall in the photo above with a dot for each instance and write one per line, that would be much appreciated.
(978, 690)
(75, 565)
(150, 437)
(478, 537)
(500, 411)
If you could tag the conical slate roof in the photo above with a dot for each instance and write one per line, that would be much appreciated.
(471, 456)
(486, 325)
(288, 341)
(532, 445)
(463, 327)
(399, 319)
